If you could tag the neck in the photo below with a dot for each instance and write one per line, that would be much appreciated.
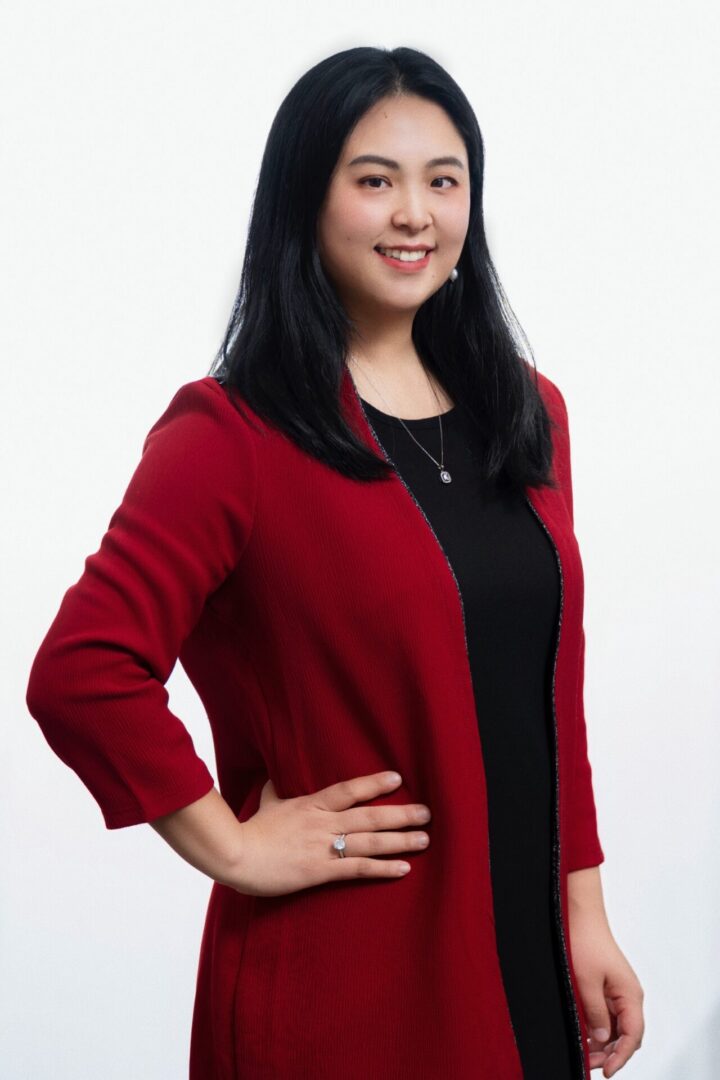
(386, 346)
(401, 386)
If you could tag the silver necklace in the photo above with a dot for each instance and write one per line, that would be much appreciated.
(445, 476)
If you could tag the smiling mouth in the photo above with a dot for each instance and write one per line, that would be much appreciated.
(403, 255)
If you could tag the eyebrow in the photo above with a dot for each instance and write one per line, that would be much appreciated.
(376, 159)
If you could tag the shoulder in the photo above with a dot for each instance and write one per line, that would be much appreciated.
(202, 420)
(203, 401)
(198, 458)
(552, 397)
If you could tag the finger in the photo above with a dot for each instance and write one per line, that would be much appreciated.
(597, 1017)
(367, 868)
(384, 843)
(358, 789)
(600, 1046)
(371, 818)
(599, 1056)
(619, 1055)
(630, 1026)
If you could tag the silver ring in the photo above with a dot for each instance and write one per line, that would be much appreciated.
(339, 844)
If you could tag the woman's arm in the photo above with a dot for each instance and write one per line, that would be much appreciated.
(611, 994)
(610, 991)
(585, 895)
(97, 683)
(206, 834)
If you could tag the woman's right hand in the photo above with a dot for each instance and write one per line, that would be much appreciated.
(287, 844)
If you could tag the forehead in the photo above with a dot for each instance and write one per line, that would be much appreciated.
(409, 129)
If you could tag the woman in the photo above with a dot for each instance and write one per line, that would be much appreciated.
(356, 535)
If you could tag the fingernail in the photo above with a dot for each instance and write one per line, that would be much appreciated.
(394, 778)
(601, 1034)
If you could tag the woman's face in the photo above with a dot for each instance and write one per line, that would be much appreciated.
(408, 199)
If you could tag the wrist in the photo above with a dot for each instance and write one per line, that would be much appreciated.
(235, 868)
(585, 897)
(207, 834)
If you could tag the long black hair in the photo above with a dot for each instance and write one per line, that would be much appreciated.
(286, 341)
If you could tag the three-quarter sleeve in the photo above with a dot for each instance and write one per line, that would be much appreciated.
(582, 842)
(97, 683)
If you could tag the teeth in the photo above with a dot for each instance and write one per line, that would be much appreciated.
(405, 256)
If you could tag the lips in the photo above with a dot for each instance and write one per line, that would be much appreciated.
(402, 247)
(407, 266)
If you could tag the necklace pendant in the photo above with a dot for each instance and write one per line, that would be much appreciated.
(445, 476)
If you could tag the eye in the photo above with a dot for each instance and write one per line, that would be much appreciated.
(382, 180)
(369, 178)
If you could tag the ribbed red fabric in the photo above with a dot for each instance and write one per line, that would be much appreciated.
(320, 623)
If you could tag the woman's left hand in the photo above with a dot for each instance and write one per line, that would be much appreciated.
(611, 994)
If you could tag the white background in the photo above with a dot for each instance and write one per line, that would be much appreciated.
(131, 138)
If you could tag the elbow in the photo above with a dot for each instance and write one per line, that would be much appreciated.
(43, 694)
(53, 693)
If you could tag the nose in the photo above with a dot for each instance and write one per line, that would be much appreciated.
(411, 211)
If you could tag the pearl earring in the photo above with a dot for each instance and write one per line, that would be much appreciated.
(454, 273)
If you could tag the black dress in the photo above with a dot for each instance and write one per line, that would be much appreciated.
(507, 574)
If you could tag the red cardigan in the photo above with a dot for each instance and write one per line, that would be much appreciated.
(320, 622)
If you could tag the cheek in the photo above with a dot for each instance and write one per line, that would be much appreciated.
(352, 220)
(456, 224)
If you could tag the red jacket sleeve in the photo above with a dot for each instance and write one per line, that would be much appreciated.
(96, 685)
(582, 843)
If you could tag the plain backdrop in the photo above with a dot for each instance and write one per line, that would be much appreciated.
(131, 140)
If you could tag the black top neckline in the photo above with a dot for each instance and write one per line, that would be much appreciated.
(393, 421)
